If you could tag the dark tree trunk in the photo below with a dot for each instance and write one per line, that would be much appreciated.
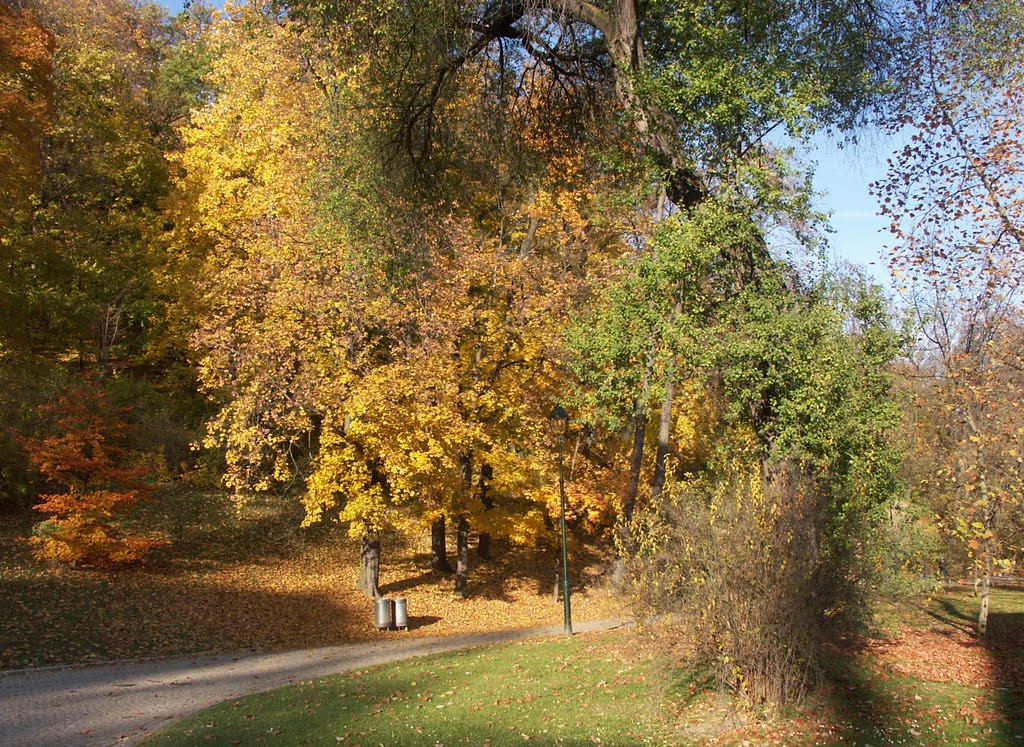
(369, 566)
(438, 548)
(636, 461)
(626, 50)
(629, 502)
(483, 548)
(462, 562)
(664, 432)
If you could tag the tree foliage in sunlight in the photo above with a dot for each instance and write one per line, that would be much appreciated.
(383, 239)
(782, 486)
(399, 370)
(956, 195)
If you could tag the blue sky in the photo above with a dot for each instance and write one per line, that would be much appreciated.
(842, 176)
(175, 6)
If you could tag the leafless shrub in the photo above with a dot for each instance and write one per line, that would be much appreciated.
(739, 557)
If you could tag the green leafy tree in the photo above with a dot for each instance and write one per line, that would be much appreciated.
(693, 78)
(784, 484)
(83, 167)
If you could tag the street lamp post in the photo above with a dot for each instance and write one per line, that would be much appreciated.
(560, 424)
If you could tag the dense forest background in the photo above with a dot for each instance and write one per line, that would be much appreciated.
(356, 252)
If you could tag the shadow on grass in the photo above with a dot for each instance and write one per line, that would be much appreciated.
(1004, 644)
(949, 613)
(864, 709)
(326, 712)
(968, 697)
(511, 695)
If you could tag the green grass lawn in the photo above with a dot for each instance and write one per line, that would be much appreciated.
(584, 691)
(932, 684)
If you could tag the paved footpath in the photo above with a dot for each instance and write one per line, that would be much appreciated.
(119, 704)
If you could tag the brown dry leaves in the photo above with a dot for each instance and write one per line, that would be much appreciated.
(945, 654)
(268, 587)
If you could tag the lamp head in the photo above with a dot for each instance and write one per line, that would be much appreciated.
(559, 420)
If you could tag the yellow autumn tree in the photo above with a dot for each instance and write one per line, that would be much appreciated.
(393, 355)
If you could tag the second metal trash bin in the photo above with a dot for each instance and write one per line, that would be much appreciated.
(401, 614)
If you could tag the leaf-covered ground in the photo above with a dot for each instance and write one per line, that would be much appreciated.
(253, 580)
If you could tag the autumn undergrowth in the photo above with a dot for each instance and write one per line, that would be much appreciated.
(581, 691)
(921, 678)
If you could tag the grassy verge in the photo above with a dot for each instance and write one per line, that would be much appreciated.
(585, 691)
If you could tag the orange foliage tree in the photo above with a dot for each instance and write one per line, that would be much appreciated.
(87, 460)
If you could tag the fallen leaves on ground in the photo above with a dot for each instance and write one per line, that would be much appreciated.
(947, 655)
(262, 584)
(925, 686)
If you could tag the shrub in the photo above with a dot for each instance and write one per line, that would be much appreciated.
(86, 458)
(738, 556)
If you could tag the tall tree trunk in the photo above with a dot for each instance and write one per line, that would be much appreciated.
(664, 432)
(636, 462)
(626, 49)
(462, 555)
(438, 547)
(636, 459)
(629, 501)
(369, 565)
(462, 532)
(986, 585)
(483, 548)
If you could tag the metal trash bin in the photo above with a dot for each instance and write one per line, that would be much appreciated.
(401, 614)
(382, 613)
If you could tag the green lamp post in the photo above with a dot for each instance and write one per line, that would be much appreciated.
(559, 419)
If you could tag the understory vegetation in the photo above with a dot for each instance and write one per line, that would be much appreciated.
(228, 580)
